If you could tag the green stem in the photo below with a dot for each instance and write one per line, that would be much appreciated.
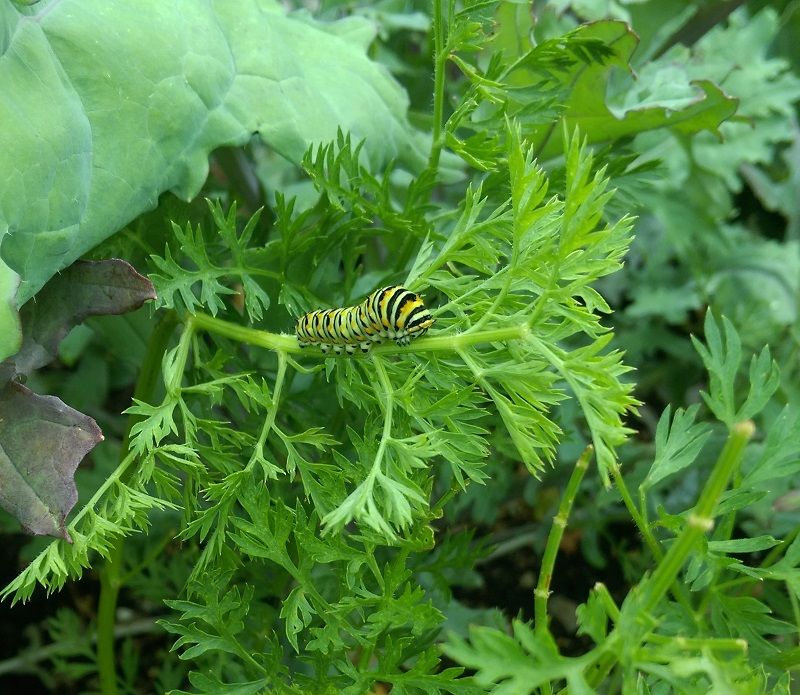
(106, 621)
(437, 509)
(699, 522)
(269, 423)
(175, 367)
(678, 590)
(110, 579)
(722, 644)
(151, 368)
(282, 342)
(25, 661)
(439, 65)
(612, 610)
(559, 364)
(542, 591)
(388, 408)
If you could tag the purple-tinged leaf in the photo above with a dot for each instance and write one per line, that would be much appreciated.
(86, 288)
(42, 441)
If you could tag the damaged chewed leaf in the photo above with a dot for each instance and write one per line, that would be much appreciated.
(42, 441)
(86, 288)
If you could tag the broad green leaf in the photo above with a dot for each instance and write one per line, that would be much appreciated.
(671, 303)
(106, 106)
(658, 103)
(758, 283)
(42, 441)
(780, 195)
(738, 56)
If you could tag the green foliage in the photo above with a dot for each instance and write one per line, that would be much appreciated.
(652, 629)
(175, 283)
(722, 362)
(117, 138)
(42, 439)
(697, 242)
(280, 520)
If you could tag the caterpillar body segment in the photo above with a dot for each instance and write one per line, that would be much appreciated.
(391, 312)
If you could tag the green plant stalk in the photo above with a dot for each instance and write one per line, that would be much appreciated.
(722, 644)
(150, 372)
(679, 591)
(439, 65)
(724, 531)
(542, 591)
(287, 343)
(269, 423)
(110, 579)
(611, 608)
(106, 620)
(387, 402)
(700, 522)
(173, 371)
(388, 410)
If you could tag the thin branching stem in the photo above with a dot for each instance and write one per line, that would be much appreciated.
(111, 579)
(700, 522)
(106, 620)
(439, 66)
(388, 408)
(679, 591)
(175, 368)
(611, 608)
(25, 662)
(693, 644)
(460, 300)
(282, 342)
(542, 591)
(269, 422)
